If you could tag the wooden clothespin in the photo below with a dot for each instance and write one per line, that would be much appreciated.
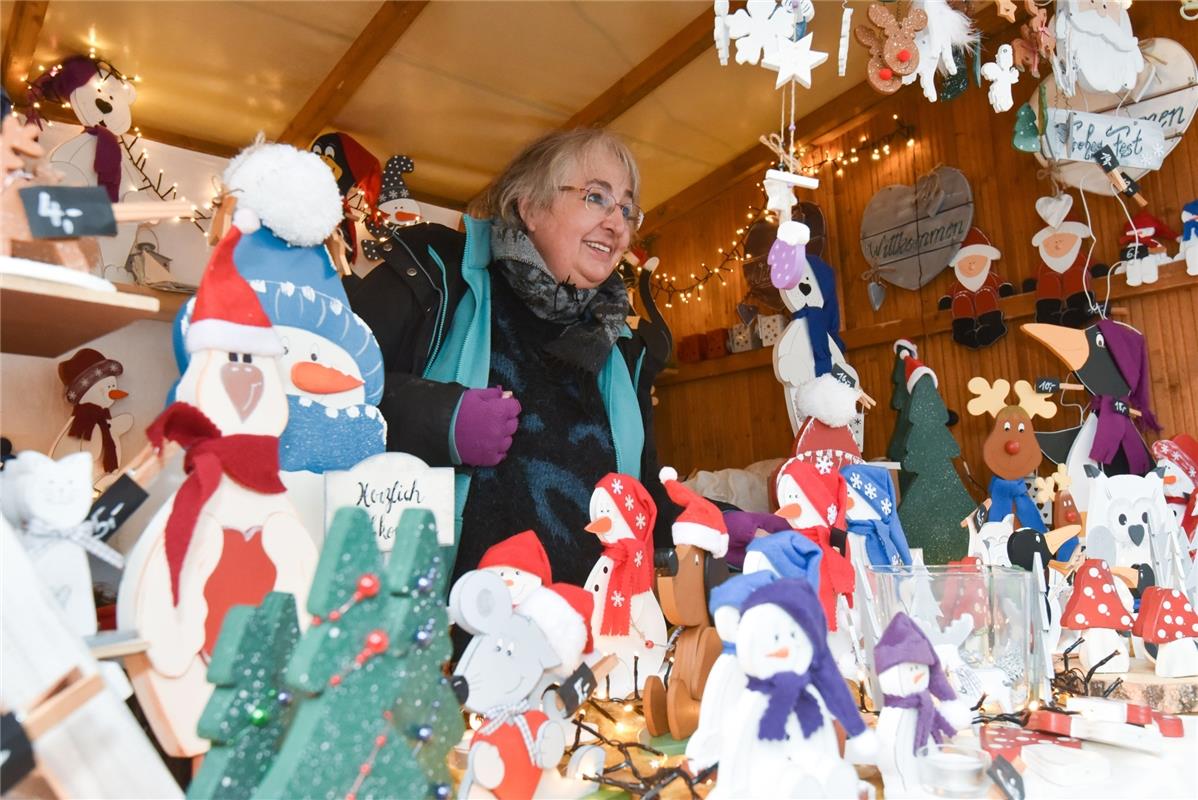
(1123, 183)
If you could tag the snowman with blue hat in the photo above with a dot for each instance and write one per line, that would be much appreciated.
(786, 554)
(726, 681)
(872, 517)
(1189, 236)
(287, 206)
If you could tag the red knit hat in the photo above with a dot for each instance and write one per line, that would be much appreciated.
(634, 503)
(828, 493)
(1147, 226)
(524, 552)
(1182, 450)
(975, 244)
(915, 371)
(700, 524)
(227, 313)
(563, 613)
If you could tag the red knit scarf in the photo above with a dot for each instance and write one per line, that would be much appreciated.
(88, 417)
(107, 162)
(628, 578)
(252, 461)
(836, 575)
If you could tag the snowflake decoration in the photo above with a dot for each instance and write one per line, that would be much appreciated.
(639, 558)
(831, 513)
(886, 506)
(617, 599)
(629, 502)
(871, 491)
(617, 485)
(823, 463)
(757, 28)
(1158, 150)
(640, 523)
(855, 480)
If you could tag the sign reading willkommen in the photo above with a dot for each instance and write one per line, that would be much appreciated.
(388, 484)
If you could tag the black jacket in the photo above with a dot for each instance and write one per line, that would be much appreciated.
(409, 303)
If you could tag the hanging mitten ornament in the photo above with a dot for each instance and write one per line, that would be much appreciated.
(788, 254)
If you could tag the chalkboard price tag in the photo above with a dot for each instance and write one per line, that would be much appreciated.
(839, 374)
(1121, 407)
(1007, 778)
(113, 508)
(576, 689)
(17, 750)
(1047, 385)
(1105, 158)
(68, 212)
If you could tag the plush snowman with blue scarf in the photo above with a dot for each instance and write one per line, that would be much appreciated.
(286, 204)
(877, 536)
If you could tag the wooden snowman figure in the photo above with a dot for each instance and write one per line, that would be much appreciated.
(229, 535)
(521, 563)
(726, 681)
(910, 676)
(628, 622)
(814, 504)
(779, 741)
(90, 384)
(1179, 458)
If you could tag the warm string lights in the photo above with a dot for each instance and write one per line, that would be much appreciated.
(902, 135)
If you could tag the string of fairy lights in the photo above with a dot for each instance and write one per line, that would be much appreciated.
(669, 288)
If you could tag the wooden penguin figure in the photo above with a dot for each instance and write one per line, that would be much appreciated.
(627, 622)
(229, 535)
(695, 565)
(910, 676)
(780, 741)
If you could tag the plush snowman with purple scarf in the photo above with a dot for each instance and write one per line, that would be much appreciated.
(912, 681)
(780, 741)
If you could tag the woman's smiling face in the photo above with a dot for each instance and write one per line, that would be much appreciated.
(579, 244)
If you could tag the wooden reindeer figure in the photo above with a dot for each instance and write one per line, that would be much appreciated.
(229, 535)
(692, 569)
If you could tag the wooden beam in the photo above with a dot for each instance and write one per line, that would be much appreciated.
(20, 41)
(65, 116)
(833, 118)
(373, 43)
(660, 65)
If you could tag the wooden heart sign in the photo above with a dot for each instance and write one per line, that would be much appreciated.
(913, 232)
(1166, 93)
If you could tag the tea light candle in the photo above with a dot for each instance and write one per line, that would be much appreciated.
(953, 770)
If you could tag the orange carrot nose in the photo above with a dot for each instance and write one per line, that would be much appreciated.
(1170, 480)
(849, 502)
(116, 394)
(782, 652)
(790, 511)
(601, 525)
(308, 376)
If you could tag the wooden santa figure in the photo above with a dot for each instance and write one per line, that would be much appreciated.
(1063, 280)
(1142, 251)
(521, 562)
(973, 297)
(628, 622)
(912, 681)
(90, 384)
(779, 740)
(1179, 457)
(1189, 236)
(229, 535)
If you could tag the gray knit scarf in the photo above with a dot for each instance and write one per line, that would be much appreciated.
(593, 318)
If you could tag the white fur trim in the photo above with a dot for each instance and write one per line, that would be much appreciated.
(975, 250)
(794, 233)
(1078, 229)
(292, 191)
(231, 337)
(667, 474)
(918, 373)
(651, 264)
(701, 536)
(828, 400)
(905, 343)
(246, 220)
(561, 624)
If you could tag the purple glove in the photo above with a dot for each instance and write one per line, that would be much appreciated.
(485, 423)
(742, 528)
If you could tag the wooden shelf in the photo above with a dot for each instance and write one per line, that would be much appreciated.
(44, 318)
(169, 303)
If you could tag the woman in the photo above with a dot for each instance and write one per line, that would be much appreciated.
(507, 353)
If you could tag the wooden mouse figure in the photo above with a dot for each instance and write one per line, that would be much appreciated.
(514, 755)
(892, 50)
(683, 583)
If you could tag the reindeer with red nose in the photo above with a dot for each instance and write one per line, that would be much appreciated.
(1012, 453)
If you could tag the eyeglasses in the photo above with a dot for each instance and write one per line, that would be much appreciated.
(601, 202)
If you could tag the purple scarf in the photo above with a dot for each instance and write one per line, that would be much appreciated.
(107, 163)
(1118, 431)
(929, 722)
(787, 692)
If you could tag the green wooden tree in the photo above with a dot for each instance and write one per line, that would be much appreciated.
(1027, 135)
(934, 501)
(898, 401)
(376, 717)
(250, 708)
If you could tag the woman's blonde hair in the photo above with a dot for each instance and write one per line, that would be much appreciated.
(541, 167)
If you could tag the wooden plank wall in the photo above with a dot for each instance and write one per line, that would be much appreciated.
(729, 412)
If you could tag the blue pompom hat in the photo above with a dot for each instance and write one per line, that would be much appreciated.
(791, 554)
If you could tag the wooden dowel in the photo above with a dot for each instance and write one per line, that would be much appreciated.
(149, 212)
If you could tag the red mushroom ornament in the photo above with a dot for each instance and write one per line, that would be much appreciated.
(1167, 620)
(1096, 609)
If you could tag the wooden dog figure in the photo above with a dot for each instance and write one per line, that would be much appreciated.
(684, 579)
